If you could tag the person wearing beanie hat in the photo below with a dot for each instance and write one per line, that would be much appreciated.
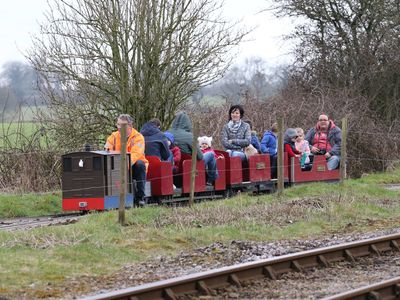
(289, 142)
(204, 142)
(205, 145)
(209, 155)
(169, 136)
(175, 157)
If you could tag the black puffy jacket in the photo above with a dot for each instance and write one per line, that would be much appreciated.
(156, 142)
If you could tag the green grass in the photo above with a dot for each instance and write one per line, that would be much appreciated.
(29, 205)
(381, 178)
(98, 245)
(213, 101)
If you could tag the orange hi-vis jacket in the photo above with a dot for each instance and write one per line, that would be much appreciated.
(134, 145)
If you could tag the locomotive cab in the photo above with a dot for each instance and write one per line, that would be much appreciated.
(91, 181)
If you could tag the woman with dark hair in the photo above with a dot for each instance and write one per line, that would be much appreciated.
(236, 134)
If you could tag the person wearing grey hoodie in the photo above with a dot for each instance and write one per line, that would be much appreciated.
(181, 128)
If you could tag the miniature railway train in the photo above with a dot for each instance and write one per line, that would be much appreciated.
(91, 179)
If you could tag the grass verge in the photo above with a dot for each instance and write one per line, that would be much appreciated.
(29, 205)
(97, 245)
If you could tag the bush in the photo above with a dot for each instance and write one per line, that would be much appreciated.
(27, 162)
(371, 142)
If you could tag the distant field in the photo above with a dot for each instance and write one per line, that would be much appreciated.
(14, 134)
(18, 126)
(24, 114)
(212, 100)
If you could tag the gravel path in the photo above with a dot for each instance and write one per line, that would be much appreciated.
(316, 283)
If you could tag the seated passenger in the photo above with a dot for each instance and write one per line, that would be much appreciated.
(175, 156)
(205, 145)
(208, 152)
(269, 146)
(303, 147)
(254, 138)
(182, 131)
(156, 142)
(135, 145)
(236, 134)
(289, 143)
(326, 139)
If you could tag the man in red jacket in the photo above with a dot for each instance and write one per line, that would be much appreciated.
(326, 139)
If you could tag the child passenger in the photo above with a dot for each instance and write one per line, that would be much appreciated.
(303, 147)
(205, 144)
(290, 138)
(209, 158)
(175, 151)
(254, 138)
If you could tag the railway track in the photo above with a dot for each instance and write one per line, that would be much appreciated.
(28, 223)
(385, 290)
(203, 283)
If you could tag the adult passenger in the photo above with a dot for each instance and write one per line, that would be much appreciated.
(181, 129)
(326, 139)
(269, 146)
(135, 145)
(156, 141)
(236, 134)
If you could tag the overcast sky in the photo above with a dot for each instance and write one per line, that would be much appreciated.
(19, 20)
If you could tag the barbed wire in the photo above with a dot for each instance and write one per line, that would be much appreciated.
(116, 185)
(82, 149)
(371, 158)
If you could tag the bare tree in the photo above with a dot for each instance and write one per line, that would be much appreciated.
(143, 57)
(20, 80)
(252, 80)
(350, 44)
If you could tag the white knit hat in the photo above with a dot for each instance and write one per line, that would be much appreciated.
(205, 140)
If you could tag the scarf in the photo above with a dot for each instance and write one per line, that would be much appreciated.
(234, 126)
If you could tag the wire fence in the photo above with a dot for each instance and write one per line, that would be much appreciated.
(296, 164)
(27, 169)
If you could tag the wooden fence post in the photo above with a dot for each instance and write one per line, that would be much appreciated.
(343, 151)
(194, 160)
(280, 166)
(123, 164)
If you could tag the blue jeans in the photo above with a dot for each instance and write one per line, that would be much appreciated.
(139, 174)
(211, 165)
(234, 153)
(333, 162)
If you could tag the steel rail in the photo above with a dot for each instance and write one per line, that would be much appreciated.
(202, 283)
(384, 290)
